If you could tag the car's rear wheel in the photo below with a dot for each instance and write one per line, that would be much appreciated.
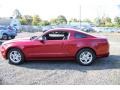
(5, 37)
(86, 57)
(15, 56)
(12, 37)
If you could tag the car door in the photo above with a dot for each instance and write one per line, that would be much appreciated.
(45, 49)
(48, 48)
(52, 48)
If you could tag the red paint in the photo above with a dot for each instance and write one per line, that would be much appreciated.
(57, 49)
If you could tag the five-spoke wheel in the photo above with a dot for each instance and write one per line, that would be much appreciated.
(15, 56)
(86, 56)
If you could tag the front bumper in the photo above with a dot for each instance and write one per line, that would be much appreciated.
(3, 52)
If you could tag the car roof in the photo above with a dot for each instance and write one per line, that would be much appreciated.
(67, 29)
(64, 29)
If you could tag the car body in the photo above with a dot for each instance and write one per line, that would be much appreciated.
(58, 44)
(7, 32)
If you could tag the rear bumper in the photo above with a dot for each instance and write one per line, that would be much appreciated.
(103, 55)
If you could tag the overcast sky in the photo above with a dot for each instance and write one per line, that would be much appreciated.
(70, 8)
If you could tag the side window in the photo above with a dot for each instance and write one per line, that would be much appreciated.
(14, 24)
(79, 35)
(56, 35)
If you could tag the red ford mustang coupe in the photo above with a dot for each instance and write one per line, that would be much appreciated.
(56, 44)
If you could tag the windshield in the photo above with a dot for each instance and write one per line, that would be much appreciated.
(39, 37)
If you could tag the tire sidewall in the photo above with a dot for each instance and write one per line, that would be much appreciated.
(83, 50)
(22, 56)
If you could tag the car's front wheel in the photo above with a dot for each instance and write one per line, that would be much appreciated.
(5, 37)
(86, 57)
(15, 56)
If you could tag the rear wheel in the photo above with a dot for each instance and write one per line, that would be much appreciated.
(86, 57)
(12, 37)
(5, 37)
(15, 56)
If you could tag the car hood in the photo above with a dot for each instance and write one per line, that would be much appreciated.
(17, 40)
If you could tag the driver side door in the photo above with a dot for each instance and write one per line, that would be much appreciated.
(52, 46)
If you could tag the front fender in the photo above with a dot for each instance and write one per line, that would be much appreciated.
(5, 48)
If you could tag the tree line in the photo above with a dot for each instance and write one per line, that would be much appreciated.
(107, 22)
(36, 20)
(61, 19)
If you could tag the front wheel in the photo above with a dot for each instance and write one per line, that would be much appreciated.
(12, 37)
(86, 57)
(5, 37)
(15, 56)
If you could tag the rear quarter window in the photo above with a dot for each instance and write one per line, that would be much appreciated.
(80, 35)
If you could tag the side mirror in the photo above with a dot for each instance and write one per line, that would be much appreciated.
(42, 39)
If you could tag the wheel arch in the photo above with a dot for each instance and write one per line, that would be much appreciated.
(13, 48)
(5, 33)
(85, 48)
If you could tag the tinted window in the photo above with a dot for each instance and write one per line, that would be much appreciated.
(57, 35)
(79, 35)
(15, 24)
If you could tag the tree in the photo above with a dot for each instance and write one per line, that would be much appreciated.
(23, 21)
(104, 21)
(108, 22)
(97, 21)
(28, 19)
(17, 14)
(36, 20)
(53, 21)
(117, 21)
(61, 19)
(100, 21)
(44, 23)
(87, 20)
(73, 20)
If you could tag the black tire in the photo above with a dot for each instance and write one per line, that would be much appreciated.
(83, 60)
(12, 60)
(5, 37)
(9, 38)
(12, 37)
